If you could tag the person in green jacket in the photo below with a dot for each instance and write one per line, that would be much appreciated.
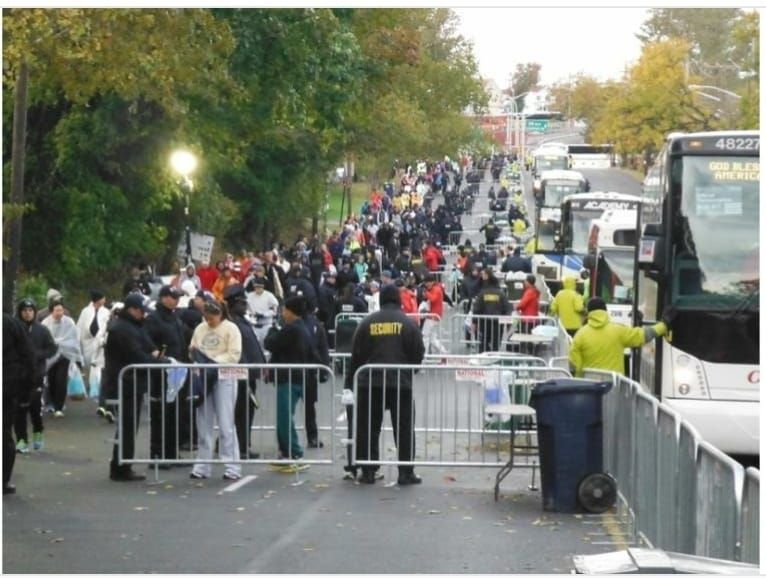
(600, 344)
(568, 304)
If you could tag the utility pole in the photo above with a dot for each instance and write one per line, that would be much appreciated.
(18, 152)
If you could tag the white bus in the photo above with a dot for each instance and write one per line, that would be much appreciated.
(699, 252)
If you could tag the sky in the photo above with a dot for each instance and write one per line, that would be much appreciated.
(597, 41)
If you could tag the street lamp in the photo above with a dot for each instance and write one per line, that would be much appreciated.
(184, 163)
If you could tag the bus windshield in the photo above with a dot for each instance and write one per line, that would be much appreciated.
(551, 163)
(556, 191)
(716, 264)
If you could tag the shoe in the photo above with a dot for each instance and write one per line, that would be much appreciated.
(58, 413)
(409, 479)
(109, 416)
(196, 476)
(126, 476)
(22, 447)
(367, 477)
(232, 477)
(315, 443)
(9, 489)
(101, 412)
(379, 475)
(349, 475)
(37, 440)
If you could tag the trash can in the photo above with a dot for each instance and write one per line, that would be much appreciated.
(570, 438)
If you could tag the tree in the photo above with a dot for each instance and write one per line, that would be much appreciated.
(746, 51)
(525, 78)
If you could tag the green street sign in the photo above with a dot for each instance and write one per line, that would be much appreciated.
(537, 125)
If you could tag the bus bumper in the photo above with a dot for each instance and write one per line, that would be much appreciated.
(731, 426)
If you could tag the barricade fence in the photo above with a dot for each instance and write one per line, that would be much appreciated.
(250, 405)
(532, 335)
(439, 413)
(680, 493)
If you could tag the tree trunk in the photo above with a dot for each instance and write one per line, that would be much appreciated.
(18, 152)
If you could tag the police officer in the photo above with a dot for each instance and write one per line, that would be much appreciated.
(236, 300)
(387, 336)
(490, 301)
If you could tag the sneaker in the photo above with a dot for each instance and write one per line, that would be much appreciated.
(109, 416)
(37, 440)
(230, 476)
(58, 413)
(349, 475)
(22, 447)
(315, 443)
(409, 479)
(101, 412)
(9, 489)
(196, 476)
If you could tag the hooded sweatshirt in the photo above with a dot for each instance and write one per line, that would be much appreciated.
(529, 305)
(568, 304)
(600, 344)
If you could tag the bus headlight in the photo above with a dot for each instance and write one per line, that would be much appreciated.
(689, 378)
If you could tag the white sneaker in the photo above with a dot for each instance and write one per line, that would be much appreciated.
(58, 413)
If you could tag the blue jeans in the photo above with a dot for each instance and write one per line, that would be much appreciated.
(288, 396)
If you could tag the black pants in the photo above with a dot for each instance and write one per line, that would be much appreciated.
(310, 410)
(243, 415)
(490, 335)
(163, 433)
(129, 416)
(34, 408)
(371, 406)
(9, 445)
(58, 375)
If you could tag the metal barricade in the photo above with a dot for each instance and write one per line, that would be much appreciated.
(719, 487)
(209, 389)
(645, 411)
(442, 413)
(749, 520)
(531, 335)
(668, 423)
(686, 517)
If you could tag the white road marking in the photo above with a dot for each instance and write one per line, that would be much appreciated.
(239, 483)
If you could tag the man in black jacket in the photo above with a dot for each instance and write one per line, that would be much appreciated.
(128, 343)
(491, 301)
(387, 336)
(166, 331)
(18, 365)
(245, 407)
(321, 354)
(289, 345)
(297, 284)
(44, 348)
(515, 262)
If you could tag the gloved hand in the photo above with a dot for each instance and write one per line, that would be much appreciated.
(668, 315)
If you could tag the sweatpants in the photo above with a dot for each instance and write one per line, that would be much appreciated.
(219, 406)
(431, 337)
(58, 375)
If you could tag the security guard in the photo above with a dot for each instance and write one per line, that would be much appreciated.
(490, 301)
(387, 336)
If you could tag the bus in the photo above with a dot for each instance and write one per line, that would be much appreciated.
(548, 158)
(611, 262)
(590, 156)
(561, 253)
(557, 184)
(699, 254)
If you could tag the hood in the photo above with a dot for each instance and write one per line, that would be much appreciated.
(598, 318)
(52, 294)
(193, 268)
(569, 283)
(26, 303)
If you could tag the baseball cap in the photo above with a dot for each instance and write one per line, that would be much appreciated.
(135, 301)
(170, 291)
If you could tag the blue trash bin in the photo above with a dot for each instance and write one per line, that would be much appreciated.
(570, 438)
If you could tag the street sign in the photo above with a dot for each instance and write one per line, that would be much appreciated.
(539, 125)
(201, 247)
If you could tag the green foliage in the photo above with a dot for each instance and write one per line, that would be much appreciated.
(34, 286)
(525, 77)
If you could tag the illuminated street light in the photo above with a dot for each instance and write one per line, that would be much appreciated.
(184, 163)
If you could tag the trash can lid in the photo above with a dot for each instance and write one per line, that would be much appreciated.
(570, 385)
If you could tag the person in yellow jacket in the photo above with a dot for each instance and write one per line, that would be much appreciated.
(600, 344)
(568, 305)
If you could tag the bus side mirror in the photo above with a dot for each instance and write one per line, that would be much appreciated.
(589, 262)
(651, 251)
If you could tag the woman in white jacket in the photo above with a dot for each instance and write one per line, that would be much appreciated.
(92, 328)
(219, 340)
(67, 337)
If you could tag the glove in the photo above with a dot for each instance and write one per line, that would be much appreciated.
(661, 329)
(668, 315)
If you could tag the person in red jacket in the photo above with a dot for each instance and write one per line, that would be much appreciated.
(529, 304)
(408, 298)
(434, 296)
(432, 256)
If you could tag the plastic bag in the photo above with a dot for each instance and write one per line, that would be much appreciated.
(75, 387)
(176, 377)
(496, 390)
(94, 382)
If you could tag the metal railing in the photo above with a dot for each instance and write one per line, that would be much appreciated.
(678, 492)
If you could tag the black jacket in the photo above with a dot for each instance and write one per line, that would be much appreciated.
(251, 349)
(327, 298)
(320, 350)
(302, 285)
(18, 357)
(43, 347)
(491, 301)
(167, 331)
(127, 343)
(513, 263)
(386, 336)
(290, 344)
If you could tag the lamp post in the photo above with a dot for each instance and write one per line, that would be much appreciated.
(184, 163)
